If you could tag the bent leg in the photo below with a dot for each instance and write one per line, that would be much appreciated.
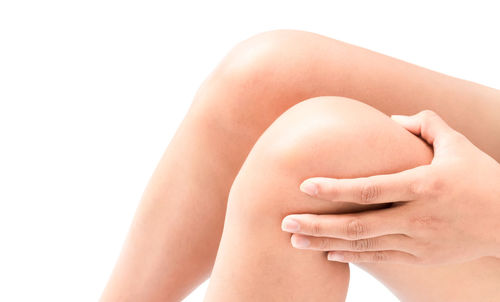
(174, 237)
(331, 137)
(271, 71)
(322, 136)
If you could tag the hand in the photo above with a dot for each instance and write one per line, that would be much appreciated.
(444, 212)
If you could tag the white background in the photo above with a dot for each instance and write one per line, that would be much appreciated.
(92, 91)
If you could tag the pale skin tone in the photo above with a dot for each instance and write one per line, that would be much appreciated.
(175, 235)
(455, 200)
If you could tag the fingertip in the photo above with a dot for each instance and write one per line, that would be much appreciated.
(309, 187)
(299, 241)
(336, 256)
(400, 119)
(288, 224)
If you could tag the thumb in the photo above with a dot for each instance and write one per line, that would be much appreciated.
(427, 124)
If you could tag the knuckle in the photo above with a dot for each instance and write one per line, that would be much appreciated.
(415, 188)
(369, 192)
(430, 185)
(316, 228)
(379, 256)
(323, 244)
(352, 257)
(355, 229)
(435, 186)
(428, 115)
(362, 244)
(425, 222)
(420, 187)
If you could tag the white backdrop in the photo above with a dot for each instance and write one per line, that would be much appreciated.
(92, 91)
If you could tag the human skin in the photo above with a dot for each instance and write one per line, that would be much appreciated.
(340, 138)
(454, 202)
(173, 240)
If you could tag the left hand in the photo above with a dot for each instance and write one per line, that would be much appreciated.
(444, 212)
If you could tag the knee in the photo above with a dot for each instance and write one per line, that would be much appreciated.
(266, 56)
(322, 136)
(266, 74)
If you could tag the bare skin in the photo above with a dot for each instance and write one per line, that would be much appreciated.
(173, 241)
(455, 201)
(339, 138)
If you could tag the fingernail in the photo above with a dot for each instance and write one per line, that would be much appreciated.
(399, 118)
(335, 256)
(290, 225)
(300, 242)
(309, 188)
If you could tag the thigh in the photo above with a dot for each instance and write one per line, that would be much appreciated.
(331, 137)
(270, 72)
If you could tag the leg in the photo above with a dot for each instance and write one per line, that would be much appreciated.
(174, 237)
(333, 137)
(274, 70)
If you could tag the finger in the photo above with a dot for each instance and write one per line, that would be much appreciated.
(396, 242)
(401, 186)
(430, 126)
(373, 257)
(348, 226)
